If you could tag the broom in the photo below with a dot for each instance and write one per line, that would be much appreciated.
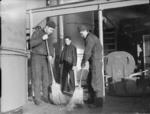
(56, 96)
(77, 98)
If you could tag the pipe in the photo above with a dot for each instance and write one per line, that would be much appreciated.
(31, 22)
(61, 26)
(100, 16)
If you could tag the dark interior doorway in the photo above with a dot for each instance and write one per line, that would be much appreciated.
(130, 35)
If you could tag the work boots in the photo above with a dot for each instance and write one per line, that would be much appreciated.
(37, 101)
(45, 99)
(98, 102)
(89, 101)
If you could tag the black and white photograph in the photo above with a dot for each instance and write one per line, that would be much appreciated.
(74, 56)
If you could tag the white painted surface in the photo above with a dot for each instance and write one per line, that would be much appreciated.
(14, 75)
(30, 4)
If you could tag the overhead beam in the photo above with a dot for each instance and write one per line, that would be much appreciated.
(122, 3)
(41, 13)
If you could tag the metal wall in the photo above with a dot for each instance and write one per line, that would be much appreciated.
(13, 59)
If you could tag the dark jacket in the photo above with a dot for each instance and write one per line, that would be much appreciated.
(69, 54)
(93, 49)
(38, 45)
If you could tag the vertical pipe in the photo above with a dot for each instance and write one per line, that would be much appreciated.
(31, 31)
(61, 30)
(100, 16)
(144, 52)
(61, 27)
(31, 22)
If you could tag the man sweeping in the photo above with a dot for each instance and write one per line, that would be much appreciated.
(39, 62)
(69, 60)
(93, 54)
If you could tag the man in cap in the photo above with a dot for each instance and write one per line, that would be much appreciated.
(40, 73)
(93, 55)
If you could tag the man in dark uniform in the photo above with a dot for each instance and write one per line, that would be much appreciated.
(39, 62)
(69, 61)
(93, 54)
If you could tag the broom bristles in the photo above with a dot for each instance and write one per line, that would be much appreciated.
(76, 99)
(56, 96)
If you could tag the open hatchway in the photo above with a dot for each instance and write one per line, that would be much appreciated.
(70, 17)
(130, 37)
(125, 30)
(131, 28)
(70, 13)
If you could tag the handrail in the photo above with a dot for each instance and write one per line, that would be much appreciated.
(3, 51)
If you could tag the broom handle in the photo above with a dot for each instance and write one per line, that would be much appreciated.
(81, 77)
(75, 77)
(48, 51)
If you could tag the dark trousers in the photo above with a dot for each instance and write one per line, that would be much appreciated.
(95, 79)
(90, 88)
(67, 84)
(40, 76)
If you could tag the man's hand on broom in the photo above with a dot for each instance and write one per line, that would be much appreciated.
(51, 59)
(74, 68)
(84, 65)
(45, 37)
